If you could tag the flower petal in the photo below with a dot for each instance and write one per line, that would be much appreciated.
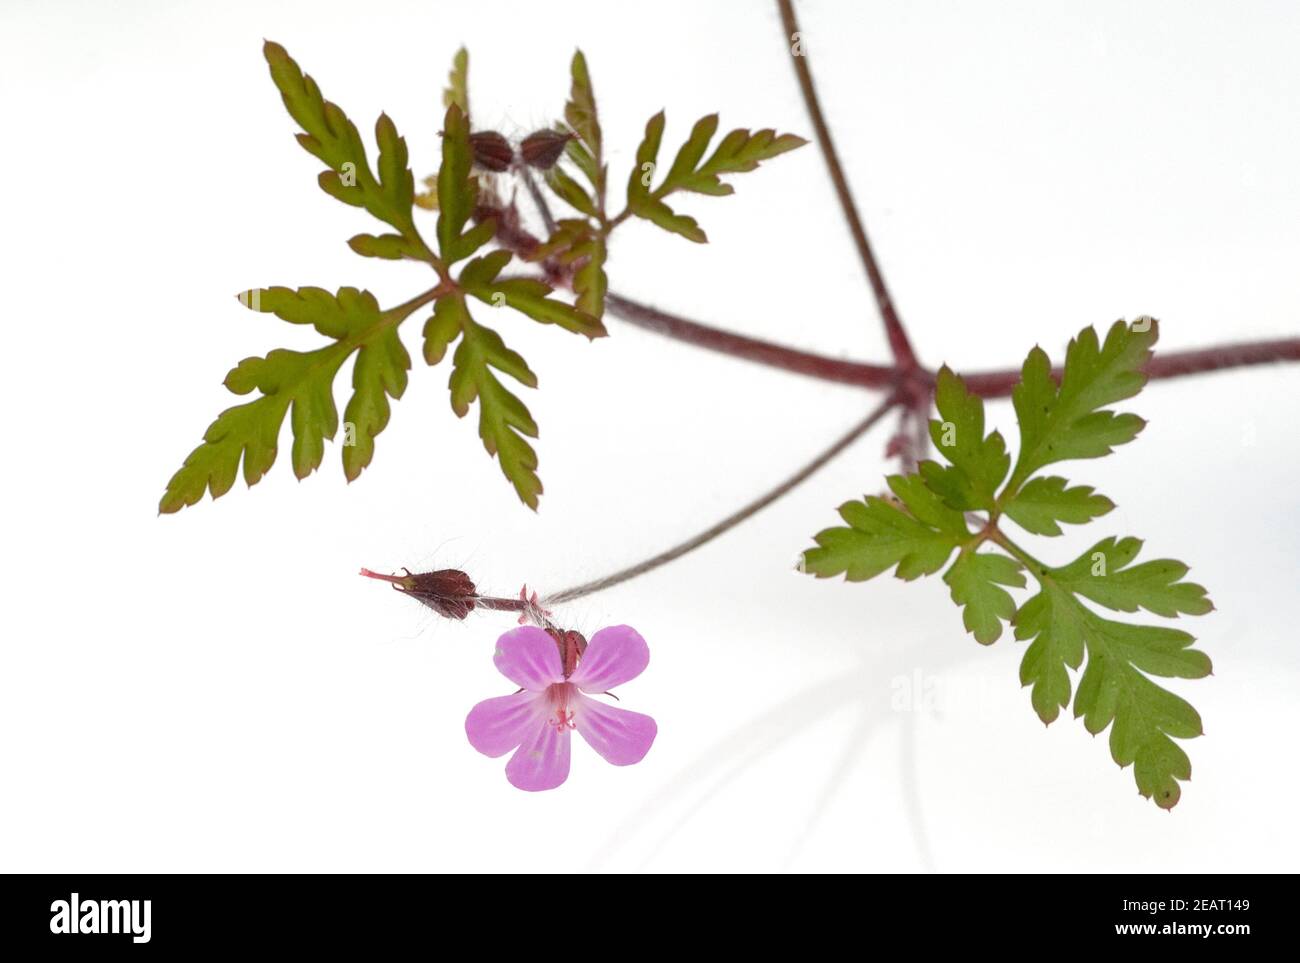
(542, 762)
(495, 726)
(615, 655)
(529, 658)
(621, 736)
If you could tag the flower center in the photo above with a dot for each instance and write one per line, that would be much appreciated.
(558, 696)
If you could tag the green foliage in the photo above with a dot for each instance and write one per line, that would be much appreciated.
(571, 192)
(918, 535)
(301, 381)
(580, 113)
(581, 244)
(738, 151)
(1115, 687)
(1043, 502)
(298, 385)
(329, 135)
(458, 192)
(504, 420)
(975, 581)
(979, 463)
(1067, 422)
(457, 89)
(1103, 574)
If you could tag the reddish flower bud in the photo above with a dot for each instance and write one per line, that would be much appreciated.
(491, 151)
(448, 591)
(542, 148)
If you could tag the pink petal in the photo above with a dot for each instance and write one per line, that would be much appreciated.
(495, 726)
(529, 658)
(542, 762)
(615, 655)
(622, 737)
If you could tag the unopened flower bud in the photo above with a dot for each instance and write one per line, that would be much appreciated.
(448, 591)
(491, 151)
(542, 148)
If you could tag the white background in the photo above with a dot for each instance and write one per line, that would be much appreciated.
(218, 690)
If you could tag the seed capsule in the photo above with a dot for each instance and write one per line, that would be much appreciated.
(542, 148)
(491, 151)
(448, 591)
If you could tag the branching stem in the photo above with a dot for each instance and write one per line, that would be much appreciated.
(908, 384)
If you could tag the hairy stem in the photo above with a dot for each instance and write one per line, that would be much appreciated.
(899, 345)
(732, 520)
(987, 384)
(539, 199)
(750, 349)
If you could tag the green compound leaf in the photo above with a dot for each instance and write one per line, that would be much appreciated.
(1059, 424)
(737, 152)
(975, 582)
(331, 137)
(1044, 502)
(1103, 574)
(301, 382)
(979, 463)
(297, 385)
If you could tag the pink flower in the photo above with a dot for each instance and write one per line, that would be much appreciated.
(537, 721)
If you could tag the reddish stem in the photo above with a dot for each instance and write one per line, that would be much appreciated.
(1169, 364)
(901, 348)
(751, 349)
(989, 384)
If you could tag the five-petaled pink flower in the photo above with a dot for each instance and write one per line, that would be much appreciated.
(537, 721)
